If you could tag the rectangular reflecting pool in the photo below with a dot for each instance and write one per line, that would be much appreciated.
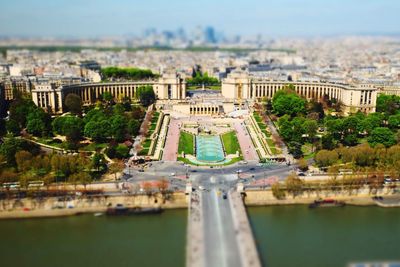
(209, 148)
(84, 241)
(298, 236)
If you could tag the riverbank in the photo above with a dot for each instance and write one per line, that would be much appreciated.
(266, 198)
(54, 207)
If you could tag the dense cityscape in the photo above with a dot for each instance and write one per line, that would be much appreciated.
(216, 147)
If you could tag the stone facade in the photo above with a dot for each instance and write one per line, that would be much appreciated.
(357, 97)
(50, 97)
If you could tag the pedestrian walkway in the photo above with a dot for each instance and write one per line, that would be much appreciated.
(172, 141)
(247, 147)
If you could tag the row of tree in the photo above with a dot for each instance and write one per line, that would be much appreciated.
(116, 73)
(24, 164)
(200, 79)
(361, 157)
(300, 120)
(349, 184)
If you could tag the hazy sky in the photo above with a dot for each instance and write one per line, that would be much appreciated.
(272, 17)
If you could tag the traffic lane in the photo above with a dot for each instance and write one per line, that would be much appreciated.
(219, 235)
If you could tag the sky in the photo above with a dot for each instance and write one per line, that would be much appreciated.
(96, 18)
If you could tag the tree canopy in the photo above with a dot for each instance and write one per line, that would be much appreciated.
(127, 73)
(73, 103)
(146, 95)
(200, 79)
(286, 101)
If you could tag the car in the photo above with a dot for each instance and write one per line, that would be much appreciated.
(301, 174)
(252, 169)
(141, 170)
(201, 188)
(173, 174)
(194, 170)
(224, 195)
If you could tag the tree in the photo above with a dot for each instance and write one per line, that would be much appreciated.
(288, 103)
(388, 104)
(277, 191)
(127, 73)
(116, 167)
(98, 161)
(38, 122)
(295, 149)
(23, 159)
(363, 155)
(119, 109)
(95, 115)
(74, 179)
(311, 127)
(325, 158)
(97, 130)
(70, 126)
(19, 110)
(122, 151)
(133, 127)
(107, 97)
(328, 142)
(350, 139)
(85, 178)
(370, 122)
(294, 184)
(73, 103)
(118, 127)
(303, 164)
(13, 127)
(146, 95)
(137, 113)
(8, 176)
(382, 135)
(9, 148)
(394, 121)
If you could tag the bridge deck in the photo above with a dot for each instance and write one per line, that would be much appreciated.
(221, 235)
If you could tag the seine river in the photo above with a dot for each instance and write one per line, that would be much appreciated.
(297, 236)
(150, 240)
(286, 236)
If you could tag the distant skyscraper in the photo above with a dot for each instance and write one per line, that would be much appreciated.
(209, 35)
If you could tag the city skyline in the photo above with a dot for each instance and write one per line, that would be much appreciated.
(272, 18)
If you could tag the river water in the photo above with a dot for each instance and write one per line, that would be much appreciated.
(288, 236)
(148, 240)
(297, 236)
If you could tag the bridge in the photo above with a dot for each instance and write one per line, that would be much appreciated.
(219, 233)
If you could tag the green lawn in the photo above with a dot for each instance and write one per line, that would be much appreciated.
(307, 151)
(271, 146)
(146, 143)
(186, 141)
(155, 117)
(211, 87)
(231, 143)
(153, 127)
(94, 146)
(261, 124)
